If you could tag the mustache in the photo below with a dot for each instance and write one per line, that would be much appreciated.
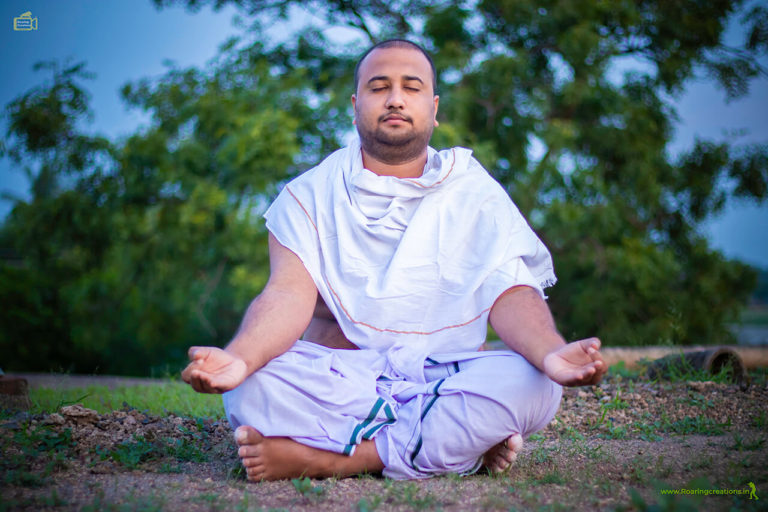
(395, 115)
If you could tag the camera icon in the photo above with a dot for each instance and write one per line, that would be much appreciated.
(25, 22)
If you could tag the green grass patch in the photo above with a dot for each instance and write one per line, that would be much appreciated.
(695, 425)
(306, 488)
(415, 497)
(699, 401)
(741, 444)
(132, 454)
(551, 477)
(620, 370)
(31, 445)
(168, 397)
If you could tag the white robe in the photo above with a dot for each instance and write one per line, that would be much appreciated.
(410, 269)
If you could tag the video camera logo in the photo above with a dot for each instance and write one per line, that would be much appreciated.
(25, 22)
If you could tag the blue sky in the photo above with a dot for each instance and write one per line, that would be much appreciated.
(125, 40)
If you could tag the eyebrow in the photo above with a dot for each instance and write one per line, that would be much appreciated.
(407, 78)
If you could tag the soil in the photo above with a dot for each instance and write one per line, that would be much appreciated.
(611, 447)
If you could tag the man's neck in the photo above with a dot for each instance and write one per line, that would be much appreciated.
(411, 169)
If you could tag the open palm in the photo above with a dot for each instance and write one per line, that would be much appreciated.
(213, 370)
(576, 364)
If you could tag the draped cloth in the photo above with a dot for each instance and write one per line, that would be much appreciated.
(409, 267)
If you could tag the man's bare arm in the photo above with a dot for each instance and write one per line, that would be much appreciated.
(271, 325)
(523, 321)
(277, 317)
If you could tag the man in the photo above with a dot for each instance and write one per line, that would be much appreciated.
(391, 258)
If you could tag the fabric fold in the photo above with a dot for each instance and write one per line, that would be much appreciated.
(409, 266)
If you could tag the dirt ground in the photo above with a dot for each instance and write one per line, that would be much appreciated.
(616, 446)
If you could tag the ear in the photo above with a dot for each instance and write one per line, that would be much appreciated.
(354, 109)
(437, 102)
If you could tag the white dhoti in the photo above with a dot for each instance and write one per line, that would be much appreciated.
(334, 399)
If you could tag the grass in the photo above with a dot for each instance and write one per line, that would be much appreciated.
(678, 369)
(694, 425)
(306, 488)
(132, 454)
(740, 444)
(148, 503)
(32, 444)
(564, 466)
(170, 397)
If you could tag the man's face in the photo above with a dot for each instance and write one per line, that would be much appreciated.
(395, 105)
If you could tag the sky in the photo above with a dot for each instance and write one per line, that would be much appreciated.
(126, 40)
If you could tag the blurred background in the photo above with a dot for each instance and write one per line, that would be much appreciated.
(142, 140)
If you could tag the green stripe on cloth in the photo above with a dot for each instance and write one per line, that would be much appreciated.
(375, 428)
(419, 443)
(353, 440)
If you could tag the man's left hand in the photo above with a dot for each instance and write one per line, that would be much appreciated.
(576, 364)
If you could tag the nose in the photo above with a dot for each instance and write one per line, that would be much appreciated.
(395, 98)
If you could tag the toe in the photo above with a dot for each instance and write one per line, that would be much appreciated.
(515, 442)
(249, 450)
(245, 435)
(254, 474)
(500, 463)
(250, 462)
(507, 455)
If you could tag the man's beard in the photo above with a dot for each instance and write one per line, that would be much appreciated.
(393, 148)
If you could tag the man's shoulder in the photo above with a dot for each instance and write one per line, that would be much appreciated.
(470, 171)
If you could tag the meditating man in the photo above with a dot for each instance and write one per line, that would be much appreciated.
(387, 262)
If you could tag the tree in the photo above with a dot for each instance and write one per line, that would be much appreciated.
(153, 245)
(131, 251)
(532, 88)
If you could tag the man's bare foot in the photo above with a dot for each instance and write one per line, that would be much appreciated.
(277, 458)
(501, 456)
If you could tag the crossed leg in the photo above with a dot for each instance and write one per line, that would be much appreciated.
(471, 411)
(276, 458)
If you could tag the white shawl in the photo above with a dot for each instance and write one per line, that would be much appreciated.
(409, 267)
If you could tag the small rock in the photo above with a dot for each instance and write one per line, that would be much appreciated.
(700, 385)
(79, 414)
(102, 468)
(55, 419)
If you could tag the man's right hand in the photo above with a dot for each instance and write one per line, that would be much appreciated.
(213, 370)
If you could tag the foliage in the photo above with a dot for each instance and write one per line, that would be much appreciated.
(156, 245)
(129, 251)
